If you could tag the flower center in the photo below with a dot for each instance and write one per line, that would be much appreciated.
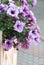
(33, 31)
(35, 39)
(18, 25)
(8, 42)
(12, 12)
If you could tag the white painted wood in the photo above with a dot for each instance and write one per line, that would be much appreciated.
(9, 57)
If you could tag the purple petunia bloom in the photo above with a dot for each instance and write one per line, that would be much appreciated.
(24, 11)
(25, 45)
(34, 2)
(7, 45)
(13, 5)
(19, 26)
(3, 7)
(36, 40)
(35, 35)
(13, 11)
(32, 17)
(20, 9)
(23, 14)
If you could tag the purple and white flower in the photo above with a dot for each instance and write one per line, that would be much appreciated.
(35, 35)
(7, 45)
(19, 26)
(32, 19)
(20, 9)
(24, 11)
(36, 40)
(25, 45)
(23, 15)
(13, 6)
(13, 11)
(3, 8)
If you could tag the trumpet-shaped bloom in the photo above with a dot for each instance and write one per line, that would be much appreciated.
(7, 45)
(13, 11)
(19, 26)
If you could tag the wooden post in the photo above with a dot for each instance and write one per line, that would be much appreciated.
(9, 57)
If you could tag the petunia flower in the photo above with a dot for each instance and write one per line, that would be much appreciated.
(24, 11)
(31, 17)
(7, 45)
(13, 11)
(20, 8)
(36, 40)
(19, 26)
(3, 7)
(23, 15)
(13, 5)
(25, 45)
(35, 35)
